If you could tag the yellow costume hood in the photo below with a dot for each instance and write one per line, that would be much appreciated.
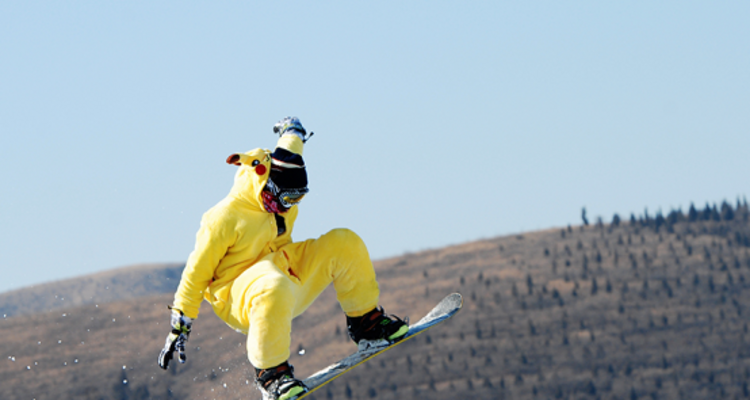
(255, 167)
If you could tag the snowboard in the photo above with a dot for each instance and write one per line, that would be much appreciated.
(445, 309)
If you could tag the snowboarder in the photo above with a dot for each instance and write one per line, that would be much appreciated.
(257, 279)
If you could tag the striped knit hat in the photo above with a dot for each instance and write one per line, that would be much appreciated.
(288, 169)
(287, 166)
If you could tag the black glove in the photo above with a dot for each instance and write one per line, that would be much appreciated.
(176, 339)
(291, 125)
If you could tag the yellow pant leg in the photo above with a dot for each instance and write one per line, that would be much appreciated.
(262, 303)
(339, 257)
(264, 299)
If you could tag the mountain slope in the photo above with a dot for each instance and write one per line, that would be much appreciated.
(115, 285)
(641, 310)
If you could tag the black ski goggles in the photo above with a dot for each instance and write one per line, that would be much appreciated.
(286, 197)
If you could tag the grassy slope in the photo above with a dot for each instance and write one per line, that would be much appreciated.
(588, 313)
(115, 285)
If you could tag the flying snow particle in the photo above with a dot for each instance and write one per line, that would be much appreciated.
(302, 352)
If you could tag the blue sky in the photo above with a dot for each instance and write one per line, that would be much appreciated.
(435, 123)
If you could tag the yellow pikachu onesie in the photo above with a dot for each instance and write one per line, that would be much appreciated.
(256, 278)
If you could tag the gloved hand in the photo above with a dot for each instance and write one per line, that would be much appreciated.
(176, 339)
(291, 125)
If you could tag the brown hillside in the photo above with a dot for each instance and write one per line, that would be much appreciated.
(652, 310)
(114, 285)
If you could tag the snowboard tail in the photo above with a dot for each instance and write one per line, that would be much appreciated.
(445, 309)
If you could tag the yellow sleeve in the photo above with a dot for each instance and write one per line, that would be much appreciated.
(212, 241)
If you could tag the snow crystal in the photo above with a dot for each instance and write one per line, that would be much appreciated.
(124, 381)
(12, 358)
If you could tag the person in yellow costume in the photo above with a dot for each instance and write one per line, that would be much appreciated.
(257, 279)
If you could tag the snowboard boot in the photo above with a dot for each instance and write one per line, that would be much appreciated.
(278, 383)
(377, 325)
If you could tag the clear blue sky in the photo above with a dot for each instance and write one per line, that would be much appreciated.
(436, 122)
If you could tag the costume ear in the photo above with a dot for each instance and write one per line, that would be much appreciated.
(234, 159)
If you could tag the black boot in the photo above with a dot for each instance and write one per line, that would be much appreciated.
(376, 325)
(278, 383)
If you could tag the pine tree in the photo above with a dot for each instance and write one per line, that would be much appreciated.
(706, 214)
(692, 213)
(659, 221)
(715, 215)
(121, 388)
(674, 216)
(616, 220)
(583, 217)
(727, 213)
